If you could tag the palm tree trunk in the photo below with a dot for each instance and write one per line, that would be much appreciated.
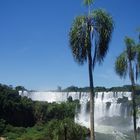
(92, 134)
(134, 113)
(133, 101)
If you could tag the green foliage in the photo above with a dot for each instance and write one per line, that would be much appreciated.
(12, 133)
(129, 63)
(71, 89)
(130, 55)
(84, 89)
(58, 129)
(98, 25)
(40, 111)
(121, 65)
(123, 88)
(18, 88)
(130, 48)
(138, 60)
(88, 2)
(102, 89)
(25, 112)
(2, 125)
(60, 111)
(78, 39)
(103, 26)
(19, 109)
(53, 130)
(44, 121)
(138, 101)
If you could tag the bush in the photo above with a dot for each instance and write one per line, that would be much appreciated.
(58, 130)
(2, 125)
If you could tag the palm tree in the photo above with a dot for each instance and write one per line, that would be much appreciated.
(128, 62)
(89, 39)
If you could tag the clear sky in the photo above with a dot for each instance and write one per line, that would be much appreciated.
(34, 47)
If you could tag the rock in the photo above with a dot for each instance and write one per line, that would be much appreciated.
(108, 104)
(138, 129)
(122, 100)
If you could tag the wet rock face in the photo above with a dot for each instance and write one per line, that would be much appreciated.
(122, 100)
(69, 99)
(138, 129)
(88, 107)
(108, 104)
(126, 108)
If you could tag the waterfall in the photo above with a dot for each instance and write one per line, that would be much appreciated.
(108, 111)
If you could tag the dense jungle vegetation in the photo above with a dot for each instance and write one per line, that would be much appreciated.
(24, 119)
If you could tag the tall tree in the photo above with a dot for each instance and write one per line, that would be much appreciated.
(128, 62)
(89, 39)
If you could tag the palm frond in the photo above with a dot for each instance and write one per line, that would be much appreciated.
(138, 30)
(138, 61)
(130, 48)
(88, 2)
(103, 27)
(121, 65)
(78, 39)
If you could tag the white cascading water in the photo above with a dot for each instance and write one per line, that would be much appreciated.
(108, 113)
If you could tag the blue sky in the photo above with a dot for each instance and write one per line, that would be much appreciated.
(34, 47)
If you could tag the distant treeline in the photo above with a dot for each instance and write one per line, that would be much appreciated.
(101, 89)
(124, 88)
